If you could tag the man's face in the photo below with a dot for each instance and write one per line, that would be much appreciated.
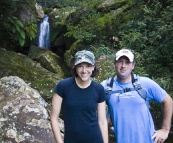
(124, 68)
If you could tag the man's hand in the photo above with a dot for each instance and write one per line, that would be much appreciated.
(160, 136)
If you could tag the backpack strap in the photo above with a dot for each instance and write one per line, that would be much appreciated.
(138, 88)
(108, 89)
(111, 82)
(136, 84)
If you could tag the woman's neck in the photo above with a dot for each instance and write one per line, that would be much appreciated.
(82, 84)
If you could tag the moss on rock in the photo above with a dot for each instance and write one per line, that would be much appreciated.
(16, 64)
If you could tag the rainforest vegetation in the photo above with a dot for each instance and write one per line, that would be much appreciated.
(102, 26)
(145, 26)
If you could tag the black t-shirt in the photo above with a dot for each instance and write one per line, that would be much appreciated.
(79, 109)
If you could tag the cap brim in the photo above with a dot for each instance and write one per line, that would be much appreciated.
(84, 61)
(131, 60)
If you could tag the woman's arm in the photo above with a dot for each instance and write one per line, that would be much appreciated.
(101, 107)
(56, 108)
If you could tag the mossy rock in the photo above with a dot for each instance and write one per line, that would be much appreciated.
(16, 64)
(49, 61)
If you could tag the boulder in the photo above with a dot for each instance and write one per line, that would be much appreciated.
(16, 64)
(39, 10)
(24, 115)
(49, 61)
(58, 19)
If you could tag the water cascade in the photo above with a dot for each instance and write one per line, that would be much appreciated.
(44, 33)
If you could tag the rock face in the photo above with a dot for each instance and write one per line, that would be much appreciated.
(39, 10)
(23, 114)
(16, 64)
(49, 60)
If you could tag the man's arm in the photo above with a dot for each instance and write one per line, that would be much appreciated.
(167, 108)
(167, 112)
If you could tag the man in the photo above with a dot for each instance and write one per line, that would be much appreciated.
(130, 115)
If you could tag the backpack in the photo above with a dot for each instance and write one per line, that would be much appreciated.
(136, 84)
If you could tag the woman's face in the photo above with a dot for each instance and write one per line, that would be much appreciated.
(84, 71)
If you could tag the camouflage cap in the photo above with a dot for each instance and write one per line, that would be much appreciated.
(84, 56)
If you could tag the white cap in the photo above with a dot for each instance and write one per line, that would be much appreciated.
(125, 52)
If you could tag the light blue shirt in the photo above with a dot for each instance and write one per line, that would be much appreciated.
(131, 117)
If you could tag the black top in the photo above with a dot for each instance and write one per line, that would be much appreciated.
(79, 109)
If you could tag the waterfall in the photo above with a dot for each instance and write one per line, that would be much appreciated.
(44, 33)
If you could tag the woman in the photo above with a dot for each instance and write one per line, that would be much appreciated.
(82, 102)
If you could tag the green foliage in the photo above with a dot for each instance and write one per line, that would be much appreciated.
(79, 34)
(144, 26)
(65, 3)
(31, 30)
(47, 10)
(140, 67)
(17, 29)
(89, 26)
(150, 34)
(12, 29)
(166, 83)
(78, 3)
(103, 21)
(83, 28)
(105, 57)
(46, 4)
(106, 67)
(101, 51)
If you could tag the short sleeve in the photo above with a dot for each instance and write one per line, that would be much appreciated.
(154, 91)
(58, 89)
(101, 93)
